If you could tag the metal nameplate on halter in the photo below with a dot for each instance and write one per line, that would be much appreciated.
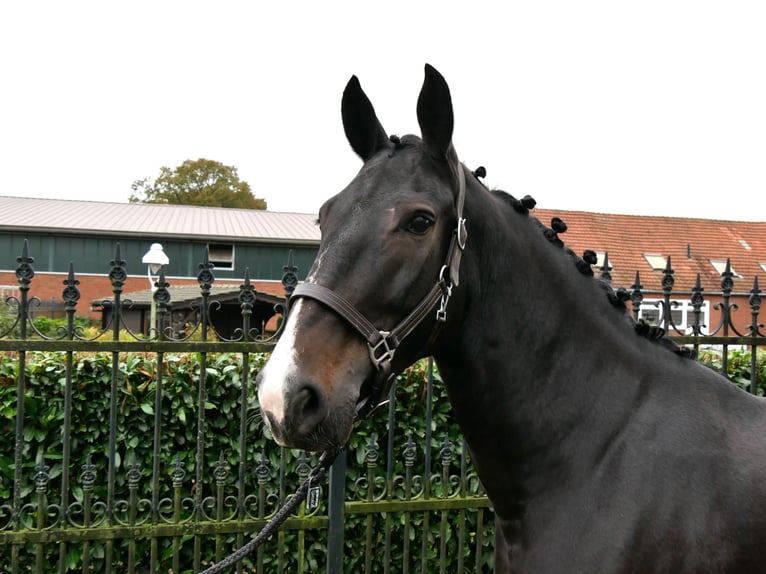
(382, 351)
(313, 495)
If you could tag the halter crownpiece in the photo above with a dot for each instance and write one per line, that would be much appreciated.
(383, 344)
(461, 233)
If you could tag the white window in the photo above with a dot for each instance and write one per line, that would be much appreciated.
(9, 291)
(221, 255)
(681, 314)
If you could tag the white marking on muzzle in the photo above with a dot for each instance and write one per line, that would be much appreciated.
(279, 369)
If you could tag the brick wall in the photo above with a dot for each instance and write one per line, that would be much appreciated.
(49, 286)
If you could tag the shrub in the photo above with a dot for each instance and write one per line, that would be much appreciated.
(136, 413)
(739, 366)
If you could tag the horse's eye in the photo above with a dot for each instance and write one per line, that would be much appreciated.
(420, 224)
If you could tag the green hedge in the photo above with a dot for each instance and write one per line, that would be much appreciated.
(44, 418)
(92, 375)
(739, 366)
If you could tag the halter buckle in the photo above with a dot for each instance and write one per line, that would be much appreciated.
(462, 233)
(381, 351)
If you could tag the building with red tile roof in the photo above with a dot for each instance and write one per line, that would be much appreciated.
(695, 248)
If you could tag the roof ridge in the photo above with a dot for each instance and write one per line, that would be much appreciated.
(146, 204)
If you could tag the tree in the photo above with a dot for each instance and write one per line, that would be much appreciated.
(201, 182)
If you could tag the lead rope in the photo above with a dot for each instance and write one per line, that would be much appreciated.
(317, 474)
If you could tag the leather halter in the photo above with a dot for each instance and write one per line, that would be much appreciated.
(383, 344)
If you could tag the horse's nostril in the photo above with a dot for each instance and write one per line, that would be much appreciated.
(308, 407)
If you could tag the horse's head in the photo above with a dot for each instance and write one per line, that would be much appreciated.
(387, 261)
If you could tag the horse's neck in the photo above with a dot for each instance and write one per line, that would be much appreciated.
(524, 371)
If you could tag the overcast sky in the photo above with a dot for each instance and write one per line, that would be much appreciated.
(653, 107)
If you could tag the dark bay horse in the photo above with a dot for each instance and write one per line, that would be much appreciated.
(601, 449)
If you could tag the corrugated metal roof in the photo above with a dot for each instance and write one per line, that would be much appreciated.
(96, 217)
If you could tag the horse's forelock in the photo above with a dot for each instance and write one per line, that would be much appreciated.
(406, 141)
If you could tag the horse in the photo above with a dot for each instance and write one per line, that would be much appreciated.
(601, 448)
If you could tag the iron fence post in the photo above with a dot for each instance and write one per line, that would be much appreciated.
(335, 513)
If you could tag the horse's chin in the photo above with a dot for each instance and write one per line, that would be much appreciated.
(331, 434)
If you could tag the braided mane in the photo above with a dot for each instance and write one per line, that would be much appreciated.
(583, 264)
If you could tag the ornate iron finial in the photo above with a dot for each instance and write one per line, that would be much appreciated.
(697, 299)
(25, 271)
(88, 474)
(247, 294)
(667, 277)
(71, 294)
(263, 470)
(636, 296)
(755, 297)
(205, 277)
(178, 474)
(303, 468)
(42, 476)
(446, 451)
(606, 269)
(133, 476)
(117, 273)
(372, 453)
(727, 282)
(289, 275)
(755, 307)
(221, 470)
(162, 294)
(410, 450)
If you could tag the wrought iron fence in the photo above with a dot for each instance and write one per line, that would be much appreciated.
(175, 472)
(167, 470)
(698, 330)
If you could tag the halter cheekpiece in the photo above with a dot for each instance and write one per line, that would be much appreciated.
(383, 344)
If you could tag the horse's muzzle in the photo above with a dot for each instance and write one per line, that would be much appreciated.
(304, 409)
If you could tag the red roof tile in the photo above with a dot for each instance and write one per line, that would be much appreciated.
(690, 243)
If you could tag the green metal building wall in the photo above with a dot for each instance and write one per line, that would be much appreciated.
(93, 254)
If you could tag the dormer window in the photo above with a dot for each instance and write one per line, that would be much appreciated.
(656, 262)
(720, 266)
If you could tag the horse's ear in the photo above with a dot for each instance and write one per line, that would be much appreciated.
(435, 115)
(363, 130)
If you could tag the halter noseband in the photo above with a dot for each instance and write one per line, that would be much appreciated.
(383, 344)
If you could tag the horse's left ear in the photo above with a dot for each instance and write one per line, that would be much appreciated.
(435, 116)
(436, 123)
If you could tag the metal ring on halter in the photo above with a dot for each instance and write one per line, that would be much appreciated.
(386, 350)
(441, 274)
